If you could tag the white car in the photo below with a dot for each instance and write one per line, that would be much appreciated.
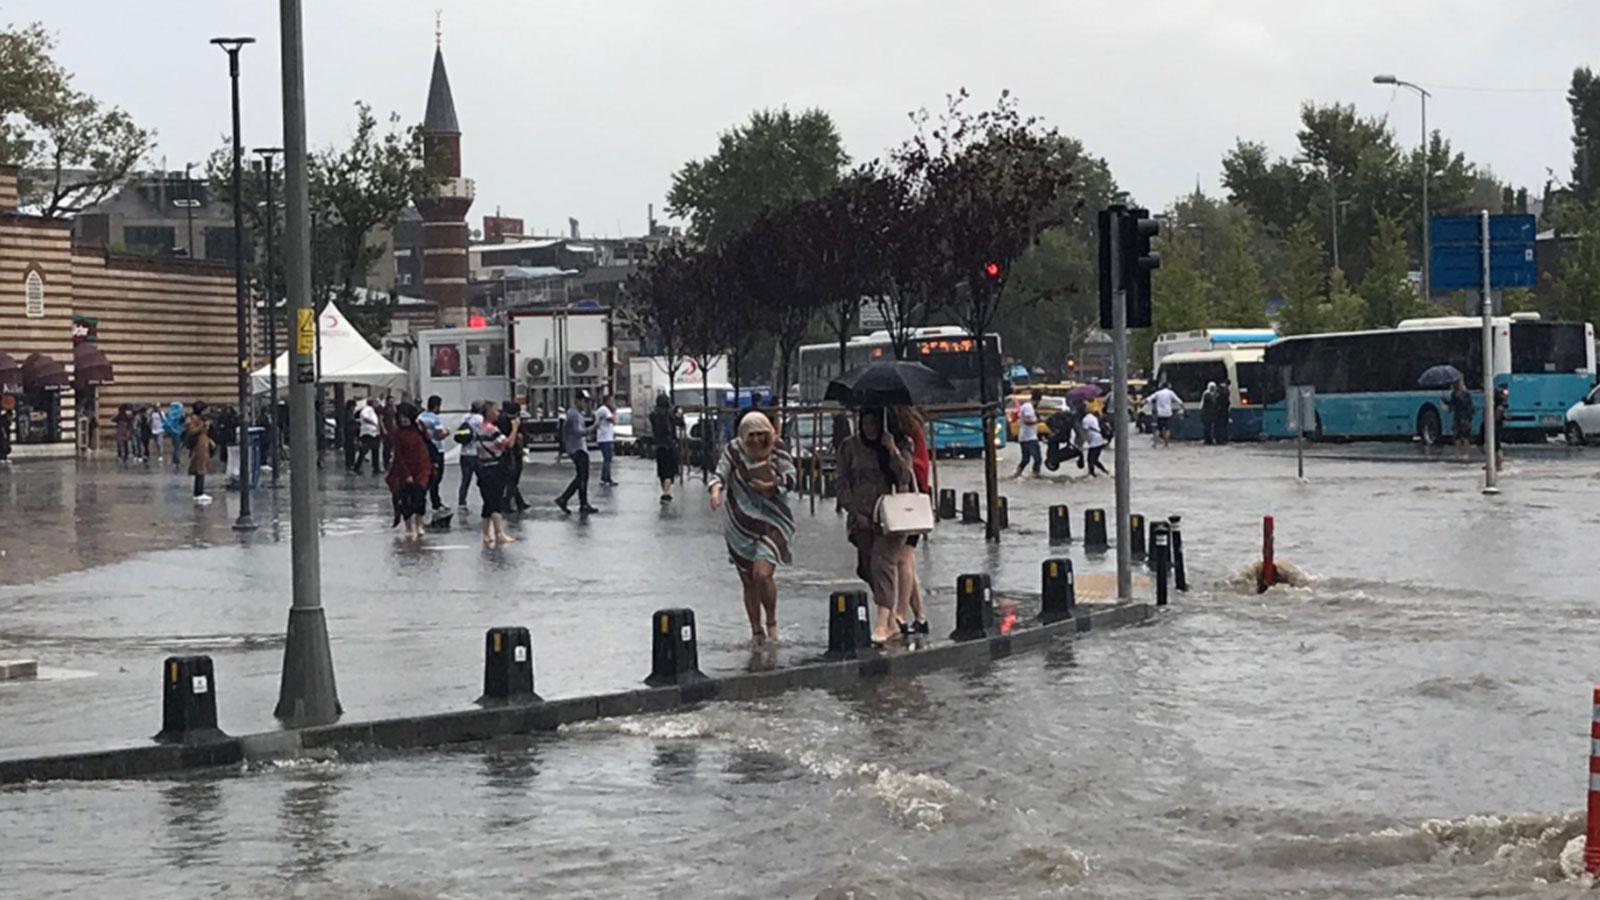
(1583, 419)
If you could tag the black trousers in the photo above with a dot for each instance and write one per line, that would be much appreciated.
(199, 485)
(369, 444)
(350, 442)
(580, 479)
(1094, 460)
(437, 459)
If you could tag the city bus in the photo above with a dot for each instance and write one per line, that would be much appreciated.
(1242, 369)
(1210, 339)
(1366, 381)
(947, 349)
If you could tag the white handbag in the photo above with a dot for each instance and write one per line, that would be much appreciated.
(907, 513)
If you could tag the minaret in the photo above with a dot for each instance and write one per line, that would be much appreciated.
(444, 215)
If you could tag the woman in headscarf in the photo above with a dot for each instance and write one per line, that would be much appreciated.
(754, 477)
(410, 471)
(197, 435)
(874, 462)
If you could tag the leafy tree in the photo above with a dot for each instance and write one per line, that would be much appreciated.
(1238, 293)
(1304, 283)
(1386, 287)
(1182, 297)
(1576, 294)
(771, 265)
(73, 151)
(1583, 99)
(777, 158)
(657, 305)
(1346, 311)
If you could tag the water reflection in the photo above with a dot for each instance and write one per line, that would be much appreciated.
(508, 775)
(674, 762)
(1061, 654)
(193, 816)
(309, 822)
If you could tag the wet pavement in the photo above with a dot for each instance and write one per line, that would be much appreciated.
(1413, 721)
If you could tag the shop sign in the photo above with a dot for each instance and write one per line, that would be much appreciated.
(85, 330)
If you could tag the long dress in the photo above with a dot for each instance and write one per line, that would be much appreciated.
(758, 528)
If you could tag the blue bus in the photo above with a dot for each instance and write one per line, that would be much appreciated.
(1241, 369)
(949, 350)
(1366, 381)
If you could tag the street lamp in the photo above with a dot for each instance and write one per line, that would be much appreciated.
(267, 154)
(1423, 95)
(232, 46)
(1333, 198)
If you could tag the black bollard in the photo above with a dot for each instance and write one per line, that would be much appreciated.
(1058, 593)
(1180, 577)
(849, 627)
(969, 508)
(188, 701)
(674, 650)
(1094, 530)
(974, 608)
(1161, 557)
(947, 504)
(507, 667)
(1002, 513)
(1060, 524)
(1136, 535)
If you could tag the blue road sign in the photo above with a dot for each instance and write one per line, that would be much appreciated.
(1457, 257)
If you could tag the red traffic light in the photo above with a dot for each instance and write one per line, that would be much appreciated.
(991, 271)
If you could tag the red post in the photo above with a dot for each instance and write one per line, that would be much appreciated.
(1591, 845)
(1269, 567)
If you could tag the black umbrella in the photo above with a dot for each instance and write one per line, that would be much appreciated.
(890, 384)
(1439, 376)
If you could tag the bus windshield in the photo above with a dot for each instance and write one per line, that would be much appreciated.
(1541, 348)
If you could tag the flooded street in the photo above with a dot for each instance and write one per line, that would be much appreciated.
(1413, 721)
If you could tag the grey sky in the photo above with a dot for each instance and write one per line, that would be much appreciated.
(586, 108)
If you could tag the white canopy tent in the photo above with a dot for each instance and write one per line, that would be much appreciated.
(346, 358)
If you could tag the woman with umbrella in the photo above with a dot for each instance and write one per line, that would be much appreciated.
(1459, 400)
(753, 479)
(874, 462)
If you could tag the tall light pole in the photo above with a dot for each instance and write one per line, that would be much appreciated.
(232, 46)
(1423, 95)
(1333, 198)
(307, 694)
(267, 154)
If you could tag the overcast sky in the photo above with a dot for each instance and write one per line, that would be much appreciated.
(584, 109)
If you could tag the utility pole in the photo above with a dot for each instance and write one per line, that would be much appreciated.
(266, 154)
(1490, 448)
(232, 46)
(1119, 415)
(307, 694)
(188, 208)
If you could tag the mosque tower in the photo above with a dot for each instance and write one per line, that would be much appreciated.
(444, 215)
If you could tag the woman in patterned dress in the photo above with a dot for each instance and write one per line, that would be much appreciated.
(754, 478)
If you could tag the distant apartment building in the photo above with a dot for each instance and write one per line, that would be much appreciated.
(160, 214)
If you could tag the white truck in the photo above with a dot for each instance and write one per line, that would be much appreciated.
(647, 377)
(553, 354)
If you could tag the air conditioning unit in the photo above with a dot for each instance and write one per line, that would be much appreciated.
(538, 368)
(586, 364)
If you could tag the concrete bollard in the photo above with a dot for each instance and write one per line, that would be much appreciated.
(974, 608)
(507, 667)
(1269, 563)
(1136, 536)
(969, 508)
(1060, 524)
(1180, 577)
(674, 649)
(188, 701)
(1591, 841)
(1058, 594)
(1161, 557)
(1094, 530)
(947, 504)
(849, 625)
(1002, 513)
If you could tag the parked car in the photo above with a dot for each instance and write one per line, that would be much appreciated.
(1583, 419)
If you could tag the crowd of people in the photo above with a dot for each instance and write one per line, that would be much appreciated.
(1073, 433)
(199, 434)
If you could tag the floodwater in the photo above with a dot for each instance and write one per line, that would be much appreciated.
(1412, 721)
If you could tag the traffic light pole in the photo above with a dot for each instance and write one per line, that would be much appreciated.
(1119, 421)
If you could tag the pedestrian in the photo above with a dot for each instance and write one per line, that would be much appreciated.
(1063, 427)
(1208, 414)
(1094, 443)
(1164, 404)
(433, 428)
(387, 423)
(574, 443)
(465, 436)
(371, 432)
(1461, 411)
(491, 445)
(122, 422)
(913, 619)
(155, 424)
(873, 463)
(753, 479)
(5, 433)
(1028, 433)
(510, 413)
(411, 471)
(141, 433)
(1224, 409)
(197, 437)
(172, 427)
(1502, 399)
(351, 428)
(605, 436)
(665, 420)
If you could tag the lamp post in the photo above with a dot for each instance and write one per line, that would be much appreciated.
(232, 46)
(1333, 198)
(1423, 95)
(267, 154)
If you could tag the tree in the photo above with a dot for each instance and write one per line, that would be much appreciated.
(1238, 294)
(1386, 287)
(72, 150)
(1304, 283)
(1347, 311)
(1576, 294)
(657, 300)
(775, 159)
(1583, 99)
(771, 264)
(1181, 297)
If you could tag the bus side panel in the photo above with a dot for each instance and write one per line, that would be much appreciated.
(960, 433)
(1245, 423)
(1540, 402)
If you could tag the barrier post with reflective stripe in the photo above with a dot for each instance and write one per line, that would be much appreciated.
(1591, 843)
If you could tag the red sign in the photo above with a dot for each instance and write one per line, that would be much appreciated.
(498, 228)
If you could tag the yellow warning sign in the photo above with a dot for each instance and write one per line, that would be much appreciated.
(305, 332)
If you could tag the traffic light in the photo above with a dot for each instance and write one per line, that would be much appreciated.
(1109, 218)
(991, 271)
(1138, 261)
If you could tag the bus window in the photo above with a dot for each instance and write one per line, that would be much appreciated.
(1548, 347)
(1255, 382)
(1189, 379)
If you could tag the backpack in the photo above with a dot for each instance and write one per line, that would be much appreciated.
(463, 435)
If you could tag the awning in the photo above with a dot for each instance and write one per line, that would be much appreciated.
(41, 373)
(10, 374)
(89, 366)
